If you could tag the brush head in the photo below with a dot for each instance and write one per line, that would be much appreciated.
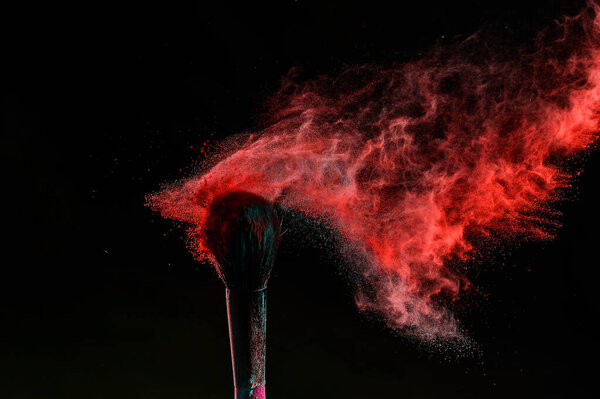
(242, 232)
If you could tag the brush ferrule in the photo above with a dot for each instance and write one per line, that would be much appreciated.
(247, 315)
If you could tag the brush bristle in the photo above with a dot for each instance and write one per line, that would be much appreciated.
(242, 231)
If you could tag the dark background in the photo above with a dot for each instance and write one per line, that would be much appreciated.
(104, 101)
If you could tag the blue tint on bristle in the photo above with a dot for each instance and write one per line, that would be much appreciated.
(242, 231)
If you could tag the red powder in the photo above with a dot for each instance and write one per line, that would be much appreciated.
(410, 162)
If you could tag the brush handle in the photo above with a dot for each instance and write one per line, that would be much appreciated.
(247, 315)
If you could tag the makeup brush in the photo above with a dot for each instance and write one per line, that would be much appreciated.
(242, 232)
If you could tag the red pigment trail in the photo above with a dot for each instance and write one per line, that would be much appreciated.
(411, 162)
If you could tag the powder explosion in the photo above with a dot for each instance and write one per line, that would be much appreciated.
(413, 164)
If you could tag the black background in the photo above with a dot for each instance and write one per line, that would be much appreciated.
(104, 101)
